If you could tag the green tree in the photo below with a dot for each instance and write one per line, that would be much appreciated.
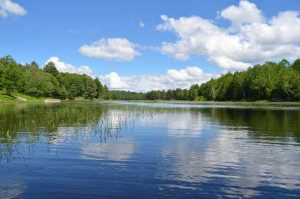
(296, 65)
(90, 91)
(51, 68)
(193, 92)
(40, 84)
(99, 88)
(34, 65)
(284, 63)
(11, 75)
(106, 94)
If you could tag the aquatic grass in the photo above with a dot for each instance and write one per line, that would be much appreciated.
(30, 124)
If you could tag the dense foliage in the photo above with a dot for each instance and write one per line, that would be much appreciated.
(127, 95)
(270, 81)
(31, 80)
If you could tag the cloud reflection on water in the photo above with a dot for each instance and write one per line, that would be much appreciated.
(11, 189)
(225, 156)
(120, 151)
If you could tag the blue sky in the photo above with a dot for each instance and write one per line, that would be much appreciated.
(45, 29)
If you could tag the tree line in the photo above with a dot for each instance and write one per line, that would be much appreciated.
(34, 81)
(269, 81)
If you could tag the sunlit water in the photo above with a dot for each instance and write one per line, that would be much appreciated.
(148, 151)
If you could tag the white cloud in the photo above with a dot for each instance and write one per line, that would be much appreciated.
(119, 49)
(69, 68)
(8, 7)
(251, 38)
(141, 24)
(114, 80)
(246, 12)
(183, 78)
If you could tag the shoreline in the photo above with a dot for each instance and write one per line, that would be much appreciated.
(219, 103)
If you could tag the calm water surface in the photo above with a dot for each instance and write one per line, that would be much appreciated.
(148, 151)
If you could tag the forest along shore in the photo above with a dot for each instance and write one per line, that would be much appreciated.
(274, 82)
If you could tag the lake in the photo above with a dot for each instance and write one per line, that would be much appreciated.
(140, 150)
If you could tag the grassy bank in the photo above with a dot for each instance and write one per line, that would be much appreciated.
(21, 98)
(18, 98)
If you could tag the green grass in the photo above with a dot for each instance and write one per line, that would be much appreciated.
(29, 98)
(14, 98)
(4, 98)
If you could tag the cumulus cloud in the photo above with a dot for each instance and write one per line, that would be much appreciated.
(8, 7)
(119, 49)
(114, 81)
(172, 79)
(251, 38)
(69, 68)
(246, 12)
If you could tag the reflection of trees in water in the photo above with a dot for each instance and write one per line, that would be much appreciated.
(270, 123)
(233, 165)
(241, 157)
(231, 153)
(30, 124)
(35, 118)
